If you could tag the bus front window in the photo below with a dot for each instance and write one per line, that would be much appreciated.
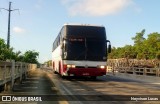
(64, 49)
(96, 49)
(86, 49)
(76, 49)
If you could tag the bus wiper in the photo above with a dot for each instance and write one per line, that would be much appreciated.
(85, 51)
(80, 54)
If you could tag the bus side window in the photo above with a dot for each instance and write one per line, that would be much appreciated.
(59, 40)
(64, 44)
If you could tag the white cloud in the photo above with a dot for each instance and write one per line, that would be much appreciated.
(95, 7)
(39, 4)
(18, 30)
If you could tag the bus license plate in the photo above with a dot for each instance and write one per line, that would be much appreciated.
(85, 73)
(71, 74)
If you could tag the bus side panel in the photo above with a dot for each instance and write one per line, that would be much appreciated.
(56, 59)
(60, 68)
(53, 65)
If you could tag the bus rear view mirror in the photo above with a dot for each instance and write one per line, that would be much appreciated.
(62, 45)
(109, 48)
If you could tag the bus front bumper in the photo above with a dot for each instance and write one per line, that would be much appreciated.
(85, 72)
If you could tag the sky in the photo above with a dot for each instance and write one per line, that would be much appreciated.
(37, 22)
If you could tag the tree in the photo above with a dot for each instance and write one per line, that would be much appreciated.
(5, 53)
(17, 56)
(138, 39)
(31, 56)
(158, 55)
(8, 53)
(139, 44)
(130, 51)
(48, 63)
(2, 48)
(153, 45)
(148, 48)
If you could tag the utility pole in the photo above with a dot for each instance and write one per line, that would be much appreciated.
(9, 19)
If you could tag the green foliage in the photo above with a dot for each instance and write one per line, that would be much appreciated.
(31, 56)
(5, 53)
(8, 54)
(158, 55)
(142, 49)
(48, 63)
(138, 39)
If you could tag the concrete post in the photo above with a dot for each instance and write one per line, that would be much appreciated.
(21, 73)
(25, 70)
(144, 71)
(157, 72)
(134, 73)
(12, 74)
(5, 73)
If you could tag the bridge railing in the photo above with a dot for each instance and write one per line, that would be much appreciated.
(10, 71)
(133, 66)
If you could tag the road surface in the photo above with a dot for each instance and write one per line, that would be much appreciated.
(106, 89)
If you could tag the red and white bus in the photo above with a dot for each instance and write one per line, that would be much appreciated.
(80, 50)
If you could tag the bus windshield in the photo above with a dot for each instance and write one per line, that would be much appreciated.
(85, 43)
(86, 49)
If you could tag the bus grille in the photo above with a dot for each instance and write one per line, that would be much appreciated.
(85, 67)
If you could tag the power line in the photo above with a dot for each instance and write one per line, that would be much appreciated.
(9, 19)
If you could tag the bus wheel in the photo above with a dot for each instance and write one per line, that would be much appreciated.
(2, 88)
(64, 77)
(55, 72)
(93, 77)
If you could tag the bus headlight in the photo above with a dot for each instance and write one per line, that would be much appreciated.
(71, 66)
(102, 66)
(68, 66)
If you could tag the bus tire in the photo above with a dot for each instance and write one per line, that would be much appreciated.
(94, 77)
(2, 88)
(64, 77)
(55, 72)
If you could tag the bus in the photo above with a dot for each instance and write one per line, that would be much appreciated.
(80, 50)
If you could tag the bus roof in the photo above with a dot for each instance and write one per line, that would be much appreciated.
(75, 24)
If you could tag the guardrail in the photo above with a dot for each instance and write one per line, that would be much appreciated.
(135, 70)
(124, 62)
(134, 66)
(10, 71)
